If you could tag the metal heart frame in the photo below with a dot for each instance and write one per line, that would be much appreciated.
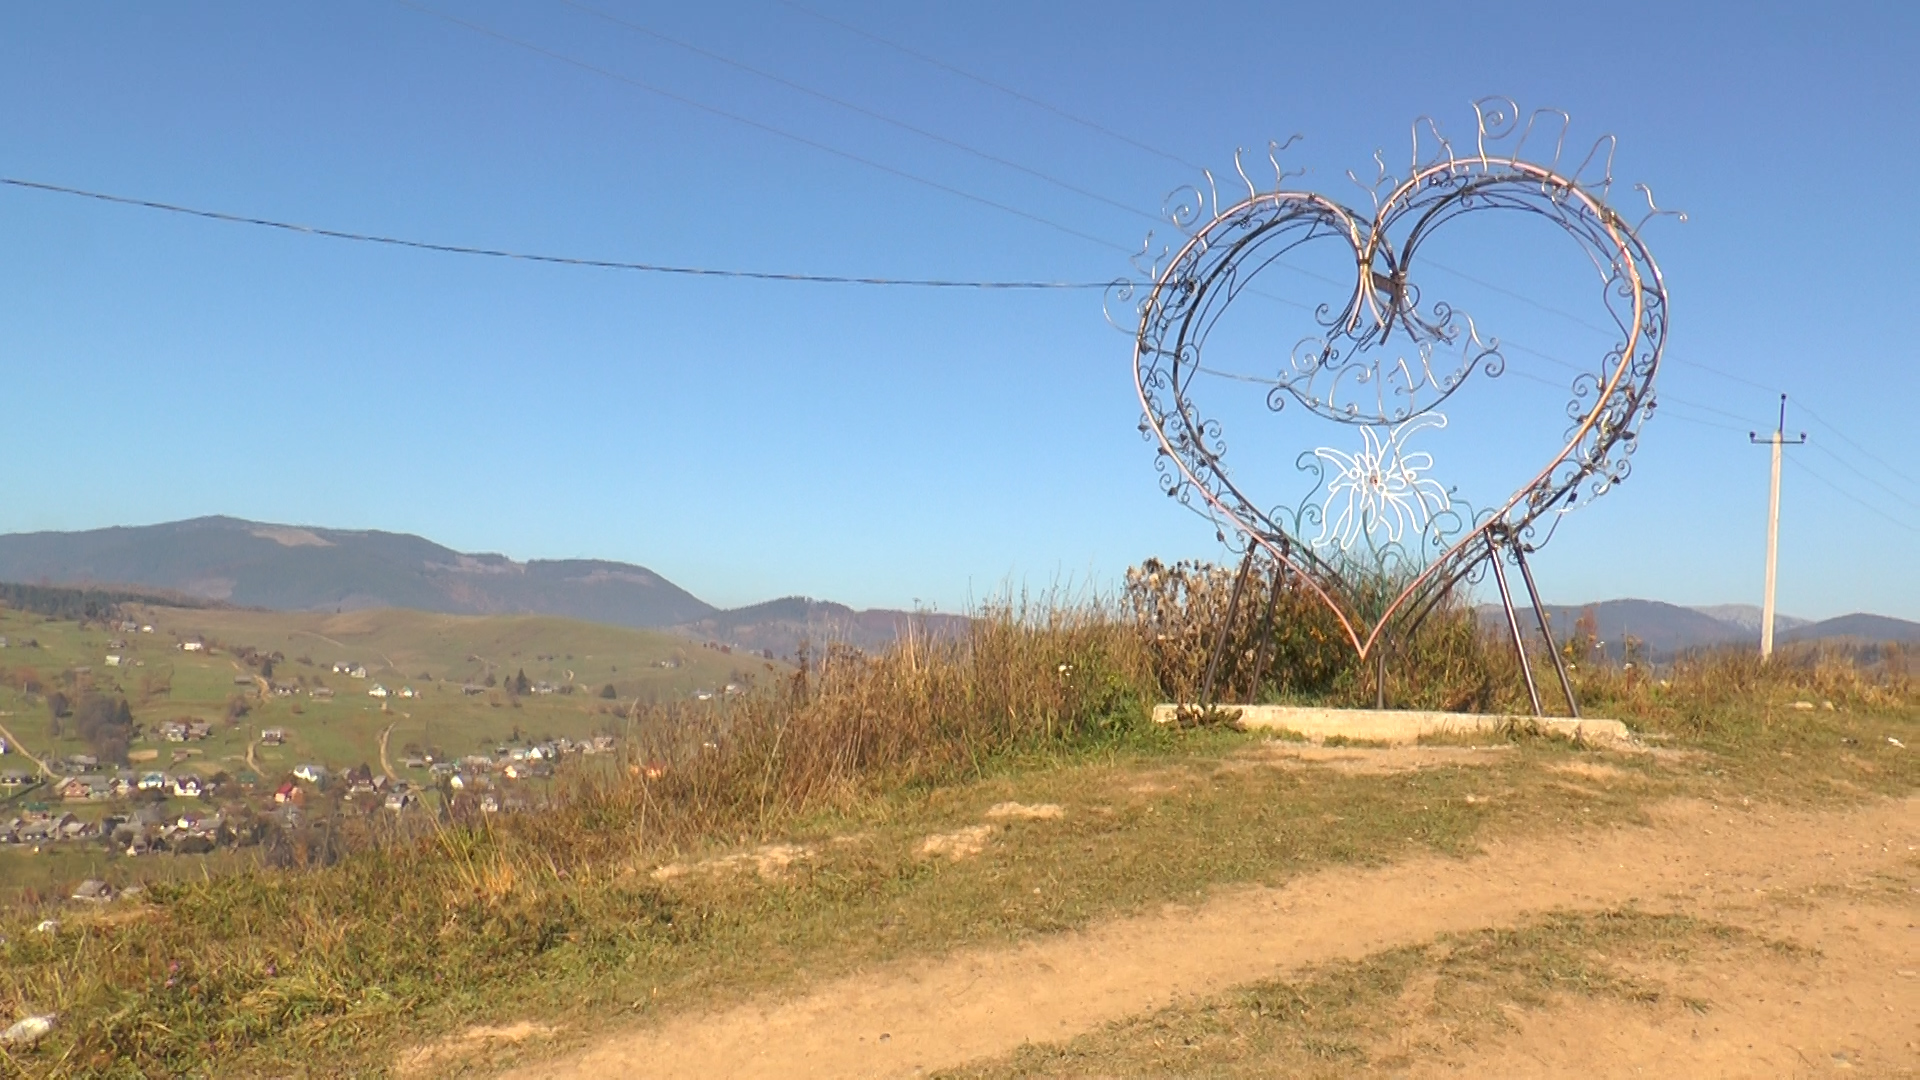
(1332, 376)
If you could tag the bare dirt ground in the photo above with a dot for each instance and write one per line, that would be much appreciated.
(1841, 886)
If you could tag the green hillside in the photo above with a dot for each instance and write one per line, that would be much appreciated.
(445, 660)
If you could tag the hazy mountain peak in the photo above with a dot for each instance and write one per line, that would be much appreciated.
(1747, 617)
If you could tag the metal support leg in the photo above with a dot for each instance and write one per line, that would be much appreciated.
(1380, 677)
(1265, 652)
(1226, 627)
(1513, 624)
(1553, 649)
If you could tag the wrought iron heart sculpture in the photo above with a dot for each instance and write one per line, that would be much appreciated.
(1349, 373)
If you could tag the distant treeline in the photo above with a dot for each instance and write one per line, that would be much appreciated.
(86, 602)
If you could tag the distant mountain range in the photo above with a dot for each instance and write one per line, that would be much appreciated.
(296, 568)
(1664, 629)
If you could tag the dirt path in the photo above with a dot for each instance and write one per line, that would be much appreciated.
(385, 765)
(925, 1015)
(21, 748)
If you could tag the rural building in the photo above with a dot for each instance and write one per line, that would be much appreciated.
(83, 788)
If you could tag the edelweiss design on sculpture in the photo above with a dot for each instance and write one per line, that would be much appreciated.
(1380, 489)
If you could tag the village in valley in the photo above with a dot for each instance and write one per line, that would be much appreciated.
(162, 734)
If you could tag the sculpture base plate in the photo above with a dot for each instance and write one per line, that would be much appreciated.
(1401, 725)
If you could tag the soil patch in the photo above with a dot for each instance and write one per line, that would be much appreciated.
(959, 844)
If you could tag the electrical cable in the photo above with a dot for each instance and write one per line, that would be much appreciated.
(1844, 437)
(1861, 474)
(519, 43)
(1849, 495)
(563, 260)
(856, 108)
(991, 85)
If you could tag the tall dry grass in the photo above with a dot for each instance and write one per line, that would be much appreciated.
(1026, 676)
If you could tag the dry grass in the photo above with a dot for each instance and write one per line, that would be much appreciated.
(1027, 679)
(269, 970)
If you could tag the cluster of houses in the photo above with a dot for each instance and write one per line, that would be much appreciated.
(121, 784)
(482, 781)
(361, 786)
(478, 771)
(142, 831)
(181, 731)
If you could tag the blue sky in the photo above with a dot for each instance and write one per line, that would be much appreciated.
(886, 446)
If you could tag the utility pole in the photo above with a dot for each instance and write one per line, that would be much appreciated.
(1777, 440)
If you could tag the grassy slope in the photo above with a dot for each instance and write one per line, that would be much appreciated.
(398, 647)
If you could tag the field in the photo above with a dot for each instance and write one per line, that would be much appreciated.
(432, 655)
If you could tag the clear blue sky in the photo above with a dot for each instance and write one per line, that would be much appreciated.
(882, 446)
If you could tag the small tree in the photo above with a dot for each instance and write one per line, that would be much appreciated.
(1586, 637)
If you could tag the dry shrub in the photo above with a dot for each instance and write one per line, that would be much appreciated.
(1178, 611)
(1300, 653)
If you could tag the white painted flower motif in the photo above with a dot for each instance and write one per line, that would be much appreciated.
(1380, 489)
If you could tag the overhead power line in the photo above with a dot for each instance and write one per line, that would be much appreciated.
(855, 107)
(1850, 496)
(1870, 455)
(714, 110)
(562, 260)
(1009, 91)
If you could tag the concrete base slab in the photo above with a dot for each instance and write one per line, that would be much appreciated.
(1397, 725)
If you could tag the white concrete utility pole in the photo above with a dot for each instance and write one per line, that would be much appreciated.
(1777, 440)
